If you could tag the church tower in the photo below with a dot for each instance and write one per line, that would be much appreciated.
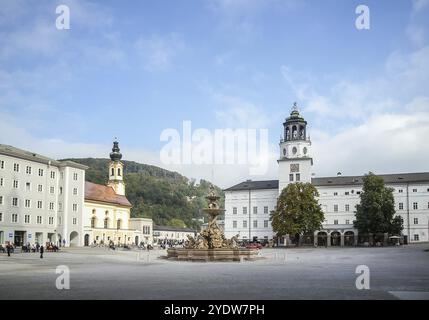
(116, 170)
(295, 157)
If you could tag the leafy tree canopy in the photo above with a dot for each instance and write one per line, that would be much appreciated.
(297, 210)
(376, 211)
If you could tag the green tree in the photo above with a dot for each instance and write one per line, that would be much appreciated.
(176, 223)
(298, 211)
(376, 212)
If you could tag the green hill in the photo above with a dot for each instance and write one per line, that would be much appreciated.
(165, 196)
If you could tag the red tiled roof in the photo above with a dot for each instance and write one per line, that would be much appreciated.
(98, 192)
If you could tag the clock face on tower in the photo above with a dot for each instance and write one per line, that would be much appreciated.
(294, 167)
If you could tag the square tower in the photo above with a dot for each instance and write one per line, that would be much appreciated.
(295, 159)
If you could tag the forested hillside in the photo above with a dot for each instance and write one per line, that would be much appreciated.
(165, 196)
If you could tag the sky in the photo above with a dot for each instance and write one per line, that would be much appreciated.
(132, 69)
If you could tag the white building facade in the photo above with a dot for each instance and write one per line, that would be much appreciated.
(174, 234)
(41, 199)
(249, 203)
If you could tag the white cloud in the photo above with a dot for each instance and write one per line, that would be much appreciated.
(416, 34)
(420, 4)
(384, 144)
(235, 112)
(158, 52)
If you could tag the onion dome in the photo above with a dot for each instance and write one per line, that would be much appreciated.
(115, 155)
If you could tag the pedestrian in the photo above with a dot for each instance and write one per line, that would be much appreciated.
(64, 242)
(8, 249)
(41, 252)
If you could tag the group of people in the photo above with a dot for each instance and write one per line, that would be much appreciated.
(36, 247)
(168, 243)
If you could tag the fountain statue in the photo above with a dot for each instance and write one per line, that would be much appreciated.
(211, 243)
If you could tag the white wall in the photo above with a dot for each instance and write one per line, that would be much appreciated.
(240, 199)
(47, 226)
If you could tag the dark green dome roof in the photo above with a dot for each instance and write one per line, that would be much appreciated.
(294, 115)
(115, 155)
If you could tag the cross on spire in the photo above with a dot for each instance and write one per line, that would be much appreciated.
(295, 107)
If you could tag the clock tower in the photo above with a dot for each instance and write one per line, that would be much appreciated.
(295, 159)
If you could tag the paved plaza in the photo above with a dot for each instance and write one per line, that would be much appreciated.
(303, 273)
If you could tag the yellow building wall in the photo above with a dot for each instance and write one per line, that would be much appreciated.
(101, 211)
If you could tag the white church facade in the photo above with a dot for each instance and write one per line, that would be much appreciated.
(248, 204)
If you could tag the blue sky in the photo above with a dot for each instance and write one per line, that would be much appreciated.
(134, 68)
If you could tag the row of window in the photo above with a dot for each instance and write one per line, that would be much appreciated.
(106, 223)
(40, 172)
(146, 229)
(413, 190)
(297, 177)
(244, 224)
(400, 206)
(347, 221)
(415, 206)
(347, 193)
(14, 218)
(39, 204)
(16, 185)
(346, 208)
(244, 210)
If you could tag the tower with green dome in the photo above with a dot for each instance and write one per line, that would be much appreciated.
(295, 159)
(116, 170)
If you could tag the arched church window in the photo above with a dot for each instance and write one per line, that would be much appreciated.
(93, 222)
(113, 172)
(118, 224)
(106, 223)
(119, 171)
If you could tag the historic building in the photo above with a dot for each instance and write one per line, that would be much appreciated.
(45, 200)
(107, 210)
(162, 233)
(248, 204)
(41, 199)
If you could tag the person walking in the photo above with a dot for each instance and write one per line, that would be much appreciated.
(41, 252)
(8, 249)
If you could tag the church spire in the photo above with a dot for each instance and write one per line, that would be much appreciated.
(116, 170)
(116, 155)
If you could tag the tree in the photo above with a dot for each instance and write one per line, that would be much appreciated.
(297, 210)
(376, 211)
(176, 223)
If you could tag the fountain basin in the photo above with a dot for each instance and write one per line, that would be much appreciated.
(205, 255)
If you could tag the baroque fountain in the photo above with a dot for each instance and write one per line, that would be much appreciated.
(211, 243)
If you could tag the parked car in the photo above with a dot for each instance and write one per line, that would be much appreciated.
(254, 245)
